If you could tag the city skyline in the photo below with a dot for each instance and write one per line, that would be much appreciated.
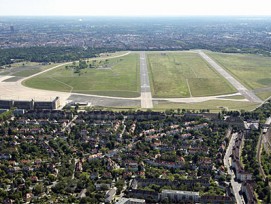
(134, 8)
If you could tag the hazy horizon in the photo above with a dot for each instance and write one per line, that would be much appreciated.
(147, 8)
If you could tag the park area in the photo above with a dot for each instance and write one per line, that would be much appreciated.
(184, 74)
(109, 77)
(23, 69)
(253, 71)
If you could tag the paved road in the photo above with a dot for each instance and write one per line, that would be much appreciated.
(146, 96)
(69, 124)
(227, 162)
(243, 90)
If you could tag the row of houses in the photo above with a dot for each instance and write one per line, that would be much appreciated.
(246, 178)
(139, 182)
(109, 115)
(241, 174)
(176, 196)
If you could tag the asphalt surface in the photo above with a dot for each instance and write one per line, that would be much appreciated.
(146, 96)
(11, 89)
(16, 91)
(236, 186)
(105, 101)
(241, 89)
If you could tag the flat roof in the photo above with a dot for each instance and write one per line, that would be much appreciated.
(181, 192)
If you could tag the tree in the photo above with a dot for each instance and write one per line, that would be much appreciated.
(51, 177)
(119, 184)
(178, 110)
(38, 189)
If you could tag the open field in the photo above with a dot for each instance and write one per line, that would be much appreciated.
(110, 77)
(25, 69)
(252, 71)
(264, 95)
(185, 78)
(184, 74)
(212, 105)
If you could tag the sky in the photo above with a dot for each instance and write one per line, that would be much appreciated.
(134, 7)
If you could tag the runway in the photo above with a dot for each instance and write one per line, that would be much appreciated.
(240, 88)
(146, 96)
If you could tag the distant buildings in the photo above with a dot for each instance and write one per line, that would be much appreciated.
(12, 29)
(30, 105)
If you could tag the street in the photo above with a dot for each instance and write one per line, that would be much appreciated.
(236, 186)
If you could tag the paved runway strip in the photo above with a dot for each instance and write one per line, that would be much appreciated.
(146, 96)
(241, 89)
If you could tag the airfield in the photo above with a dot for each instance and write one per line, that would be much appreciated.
(147, 80)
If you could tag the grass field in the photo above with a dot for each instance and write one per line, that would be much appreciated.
(112, 77)
(184, 74)
(212, 105)
(25, 69)
(264, 95)
(252, 71)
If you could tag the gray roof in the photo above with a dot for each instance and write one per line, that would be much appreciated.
(181, 192)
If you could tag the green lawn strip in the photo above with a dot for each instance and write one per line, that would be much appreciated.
(253, 71)
(30, 70)
(212, 105)
(171, 71)
(209, 87)
(264, 95)
(119, 93)
(46, 83)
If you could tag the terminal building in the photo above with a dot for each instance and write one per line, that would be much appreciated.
(30, 105)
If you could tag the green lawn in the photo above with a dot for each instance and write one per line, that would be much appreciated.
(264, 95)
(32, 70)
(25, 69)
(212, 105)
(112, 77)
(184, 74)
(253, 71)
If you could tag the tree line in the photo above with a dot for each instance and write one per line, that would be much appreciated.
(49, 54)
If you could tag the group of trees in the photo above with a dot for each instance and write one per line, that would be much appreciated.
(249, 153)
(48, 54)
(6, 115)
(77, 68)
(266, 163)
